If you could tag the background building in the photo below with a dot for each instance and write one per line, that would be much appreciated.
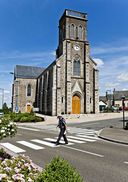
(115, 99)
(24, 88)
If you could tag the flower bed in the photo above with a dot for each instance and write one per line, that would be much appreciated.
(19, 169)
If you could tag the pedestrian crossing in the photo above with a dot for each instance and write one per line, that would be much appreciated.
(70, 130)
(40, 144)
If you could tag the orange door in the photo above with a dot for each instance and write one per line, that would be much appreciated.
(75, 104)
(28, 108)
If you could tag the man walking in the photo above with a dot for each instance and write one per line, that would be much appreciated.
(62, 126)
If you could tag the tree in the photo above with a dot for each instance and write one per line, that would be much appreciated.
(5, 108)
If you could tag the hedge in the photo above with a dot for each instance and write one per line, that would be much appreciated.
(59, 170)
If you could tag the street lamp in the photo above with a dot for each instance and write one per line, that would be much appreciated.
(108, 98)
(16, 96)
(2, 89)
(123, 106)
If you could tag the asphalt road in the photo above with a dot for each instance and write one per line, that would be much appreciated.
(95, 159)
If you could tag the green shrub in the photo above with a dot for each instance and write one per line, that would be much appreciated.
(59, 170)
(23, 117)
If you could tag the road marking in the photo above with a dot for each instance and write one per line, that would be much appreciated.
(84, 151)
(84, 139)
(44, 143)
(126, 162)
(75, 141)
(90, 137)
(30, 145)
(32, 129)
(12, 147)
(54, 140)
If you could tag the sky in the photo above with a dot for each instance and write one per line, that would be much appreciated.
(29, 36)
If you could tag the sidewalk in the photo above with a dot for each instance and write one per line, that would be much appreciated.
(117, 135)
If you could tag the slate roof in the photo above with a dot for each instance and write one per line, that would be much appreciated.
(117, 96)
(102, 98)
(21, 71)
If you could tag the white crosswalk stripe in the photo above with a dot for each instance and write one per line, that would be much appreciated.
(74, 130)
(54, 140)
(75, 141)
(30, 145)
(12, 147)
(86, 136)
(44, 142)
(84, 139)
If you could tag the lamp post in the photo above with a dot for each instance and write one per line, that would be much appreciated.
(16, 96)
(108, 98)
(123, 106)
(2, 97)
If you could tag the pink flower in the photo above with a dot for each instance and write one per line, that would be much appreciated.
(2, 176)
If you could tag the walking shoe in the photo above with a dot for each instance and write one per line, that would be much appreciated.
(57, 143)
(66, 142)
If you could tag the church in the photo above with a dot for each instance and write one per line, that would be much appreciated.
(69, 85)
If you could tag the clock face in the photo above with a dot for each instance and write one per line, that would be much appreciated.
(76, 47)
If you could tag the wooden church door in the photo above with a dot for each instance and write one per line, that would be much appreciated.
(28, 108)
(75, 104)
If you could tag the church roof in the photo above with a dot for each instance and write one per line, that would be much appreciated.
(27, 71)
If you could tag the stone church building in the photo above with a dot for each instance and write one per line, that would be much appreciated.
(69, 85)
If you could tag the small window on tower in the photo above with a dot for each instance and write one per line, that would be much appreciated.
(72, 31)
(29, 90)
(76, 68)
(80, 32)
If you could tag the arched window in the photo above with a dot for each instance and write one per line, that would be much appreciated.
(76, 32)
(29, 90)
(76, 68)
(72, 31)
(80, 32)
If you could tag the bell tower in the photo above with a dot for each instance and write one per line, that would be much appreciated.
(72, 26)
(77, 88)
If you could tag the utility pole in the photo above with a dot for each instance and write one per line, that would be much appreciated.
(2, 89)
(123, 107)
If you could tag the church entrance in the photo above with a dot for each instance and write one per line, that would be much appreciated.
(75, 104)
(28, 108)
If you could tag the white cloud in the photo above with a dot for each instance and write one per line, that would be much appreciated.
(26, 55)
(111, 47)
(99, 62)
(6, 91)
(123, 77)
(104, 50)
(111, 85)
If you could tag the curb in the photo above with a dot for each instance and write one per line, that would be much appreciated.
(110, 139)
